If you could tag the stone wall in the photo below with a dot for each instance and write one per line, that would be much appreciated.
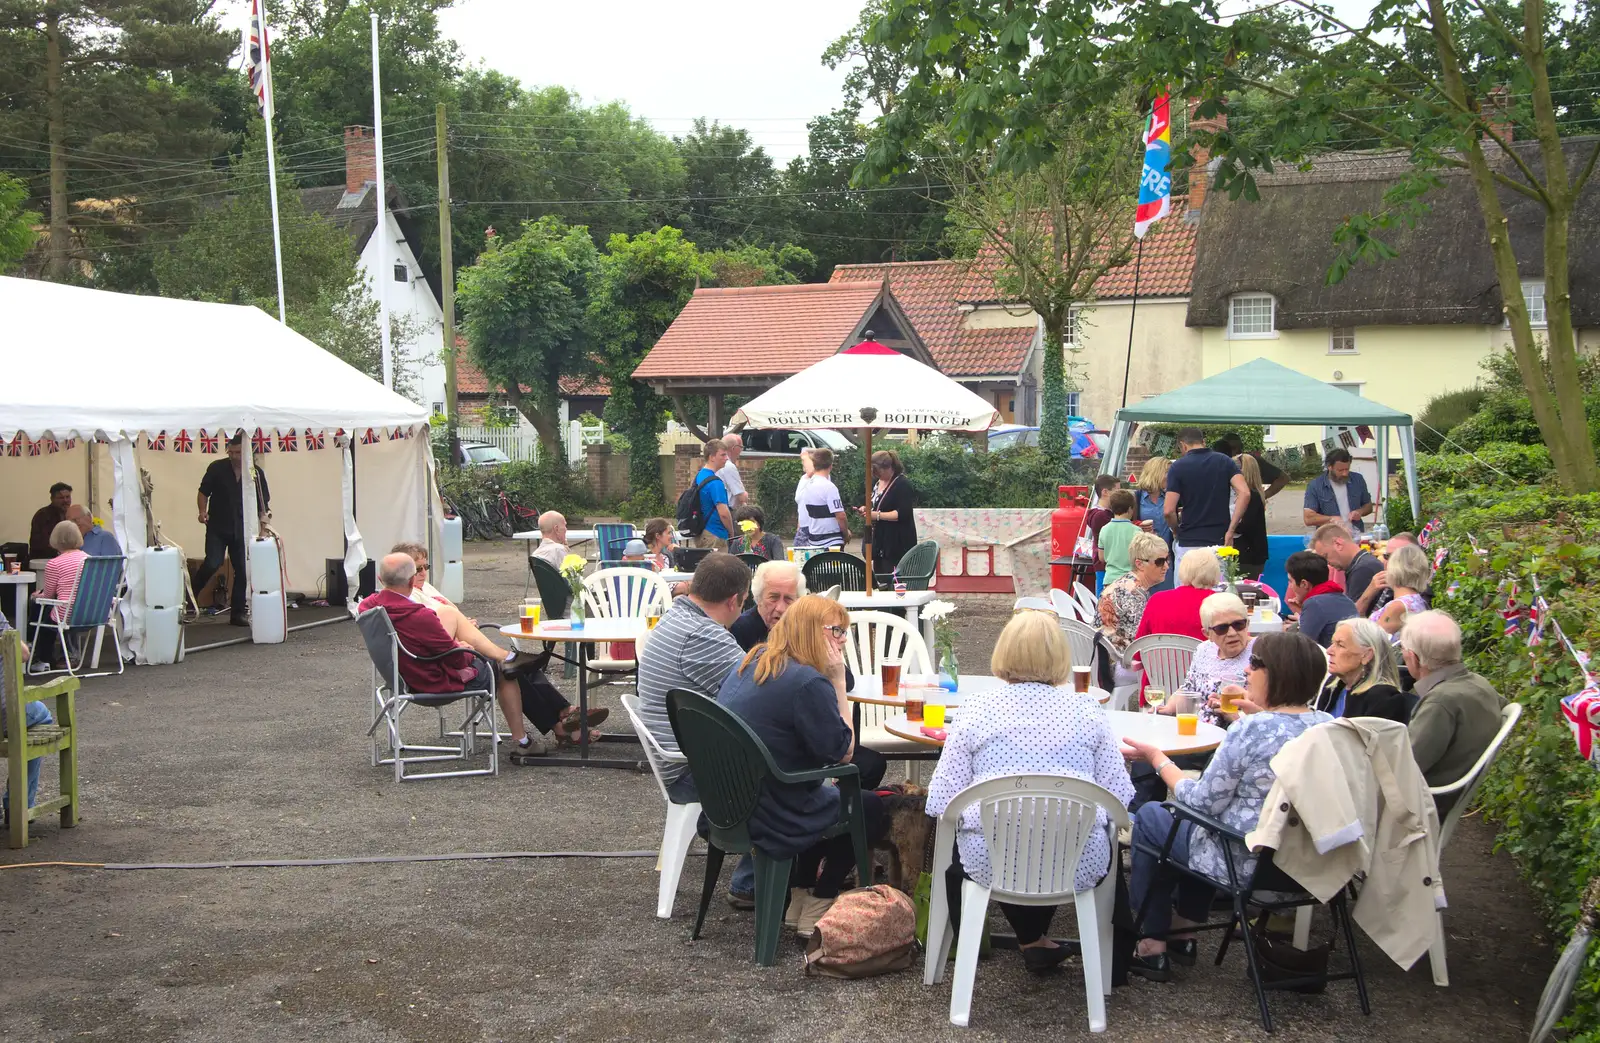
(607, 474)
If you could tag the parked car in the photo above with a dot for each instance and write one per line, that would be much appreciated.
(780, 442)
(1088, 443)
(481, 454)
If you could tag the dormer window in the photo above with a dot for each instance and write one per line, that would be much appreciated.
(1252, 315)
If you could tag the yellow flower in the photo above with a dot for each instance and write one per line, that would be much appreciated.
(572, 564)
(747, 526)
(1227, 552)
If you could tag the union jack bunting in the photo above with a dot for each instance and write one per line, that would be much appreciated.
(398, 432)
(182, 443)
(159, 442)
(314, 439)
(14, 447)
(208, 443)
(287, 444)
(51, 445)
(70, 444)
(33, 448)
(369, 438)
(260, 443)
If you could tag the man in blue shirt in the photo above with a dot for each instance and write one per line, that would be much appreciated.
(1196, 506)
(1321, 603)
(714, 498)
(97, 542)
(1338, 494)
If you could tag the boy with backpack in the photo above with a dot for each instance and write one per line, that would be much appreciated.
(703, 512)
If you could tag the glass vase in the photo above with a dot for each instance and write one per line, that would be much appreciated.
(578, 613)
(949, 670)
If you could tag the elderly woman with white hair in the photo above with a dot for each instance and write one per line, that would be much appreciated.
(1122, 602)
(1407, 575)
(1223, 658)
(1363, 676)
(1177, 611)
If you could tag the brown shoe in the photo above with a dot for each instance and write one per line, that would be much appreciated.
(810, 913)
(791, 915)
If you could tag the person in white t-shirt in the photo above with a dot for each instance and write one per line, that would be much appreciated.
(802, 535)
(821, 511)
(729, 472)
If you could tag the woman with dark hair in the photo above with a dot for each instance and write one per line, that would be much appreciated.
(755, 539)
(658, 543)
(1251, 538)
(894, 528)
(1284, 675)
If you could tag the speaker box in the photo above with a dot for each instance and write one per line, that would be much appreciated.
(338, 587)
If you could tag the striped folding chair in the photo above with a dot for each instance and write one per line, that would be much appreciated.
(612, 538)
(91, 607)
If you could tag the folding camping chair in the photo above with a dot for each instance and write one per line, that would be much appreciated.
(91, 606)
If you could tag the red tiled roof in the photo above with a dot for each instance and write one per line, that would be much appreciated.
(471, 382)
(930, 293)
(755, 331)
(1166, 270)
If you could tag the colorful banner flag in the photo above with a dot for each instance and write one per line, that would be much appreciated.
(258, 60)
(1155, 182)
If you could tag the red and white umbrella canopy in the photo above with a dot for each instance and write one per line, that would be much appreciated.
(869, 385)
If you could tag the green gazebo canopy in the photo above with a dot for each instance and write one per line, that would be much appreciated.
(1263, 392)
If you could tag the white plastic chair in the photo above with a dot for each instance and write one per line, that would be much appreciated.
(621, 593)
(1085, 642)
(1035, 827)
(1086, 601)
(1165, 658)
(681, 818)
(1066, 607)
(1036, 605)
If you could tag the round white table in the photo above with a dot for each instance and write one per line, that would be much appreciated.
(585, 638)
(870, 690)
(19, 592)
(1146, 727)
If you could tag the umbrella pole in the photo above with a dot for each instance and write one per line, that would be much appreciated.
(866, 537)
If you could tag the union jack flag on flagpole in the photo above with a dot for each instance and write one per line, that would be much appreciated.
(258, 70)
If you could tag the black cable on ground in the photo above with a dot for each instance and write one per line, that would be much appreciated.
(359, 860)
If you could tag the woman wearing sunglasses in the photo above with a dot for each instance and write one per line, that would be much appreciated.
(1224, 655)
(1284, 672)
(1122, 602)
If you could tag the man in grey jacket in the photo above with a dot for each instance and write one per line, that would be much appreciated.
(1460, 711)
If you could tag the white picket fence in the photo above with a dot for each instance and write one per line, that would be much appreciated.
(522, 443)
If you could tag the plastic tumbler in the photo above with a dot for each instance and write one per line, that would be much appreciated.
(933, 715)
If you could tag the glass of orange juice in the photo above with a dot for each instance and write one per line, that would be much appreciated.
(1185, 710)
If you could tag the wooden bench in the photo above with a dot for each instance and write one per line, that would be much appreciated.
(21, 744)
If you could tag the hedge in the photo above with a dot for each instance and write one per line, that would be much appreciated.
(944, 472)
(1516, 481)
(1544, 798)
(539, 487)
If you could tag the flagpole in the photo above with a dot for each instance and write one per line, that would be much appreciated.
(381, 277)
(272, 163)
(1133, 312)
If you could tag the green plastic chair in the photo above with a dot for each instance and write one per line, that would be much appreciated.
(730, 765)
(917, 566)
(554, 593)
(20, 744)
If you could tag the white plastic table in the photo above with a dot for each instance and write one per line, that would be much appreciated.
(585, 638)
(1265, 622)
(19, 592)
(882, 600)
(870, 690)
(573, 535)
(1158, 729)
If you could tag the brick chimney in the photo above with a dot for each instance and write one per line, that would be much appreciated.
(1199, 178)
(360, 163)
(1496, 112)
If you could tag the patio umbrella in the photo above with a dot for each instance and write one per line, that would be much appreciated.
(865, 387)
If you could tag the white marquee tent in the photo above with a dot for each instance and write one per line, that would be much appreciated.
(99, 386)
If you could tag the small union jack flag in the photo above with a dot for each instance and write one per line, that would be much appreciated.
(260, 443)
(399, 432)
(33, 448)
(314, 439)
(182, 443)
(208, 443)
(14, 447)
(369, 438)
(159, 441)
(51, 445)
(70, 444)
(287, 443)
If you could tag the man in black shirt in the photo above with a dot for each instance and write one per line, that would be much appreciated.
(221, 507)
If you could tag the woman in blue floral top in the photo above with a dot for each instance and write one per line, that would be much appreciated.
(1285, 672)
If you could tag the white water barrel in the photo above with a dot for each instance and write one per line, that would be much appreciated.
(269, 621)
(163, 601)
(452, 579)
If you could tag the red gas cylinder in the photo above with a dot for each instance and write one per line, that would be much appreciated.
(1066, 521)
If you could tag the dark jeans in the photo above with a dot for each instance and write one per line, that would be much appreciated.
(46, 645)
(1151, 825)
(542, 703)
(824, 865)
(1028, 922)
(216, 544)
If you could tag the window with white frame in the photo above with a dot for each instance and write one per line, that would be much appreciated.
(1533, 296)
(1069, 336)
(1074, 398)
(1269, 433)
(1342, 341)
(1252, 315)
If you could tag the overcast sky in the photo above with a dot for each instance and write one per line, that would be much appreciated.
(754, 63)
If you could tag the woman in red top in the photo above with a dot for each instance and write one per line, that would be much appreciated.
(60, 582)
(1177, 611)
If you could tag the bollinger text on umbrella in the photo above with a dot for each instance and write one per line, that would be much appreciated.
(843, 418)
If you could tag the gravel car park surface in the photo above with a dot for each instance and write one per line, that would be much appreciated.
(260, 753)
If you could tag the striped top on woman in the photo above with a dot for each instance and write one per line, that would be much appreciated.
(61, 580)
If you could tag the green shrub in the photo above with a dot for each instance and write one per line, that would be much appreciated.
(1503, 462)
(547, 486)
(1542, 796)
(1443, 412)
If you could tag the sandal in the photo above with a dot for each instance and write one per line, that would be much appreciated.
(569, 730)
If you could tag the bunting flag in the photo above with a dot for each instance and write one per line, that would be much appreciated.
(1155, 183)
(1346, 438)
(33, 448)
(1364, 433)
(314, 439)
(159, 442)
(287, 444)
(51, 445)
(70, 444)
(14, 447)
(1311, 449)
(397, 433)
(208, 443)
(369, 438)
(182, 443)
(260, 443)
(1425, 538)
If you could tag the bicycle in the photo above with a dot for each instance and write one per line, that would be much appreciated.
(474, 526)
(508, 514)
